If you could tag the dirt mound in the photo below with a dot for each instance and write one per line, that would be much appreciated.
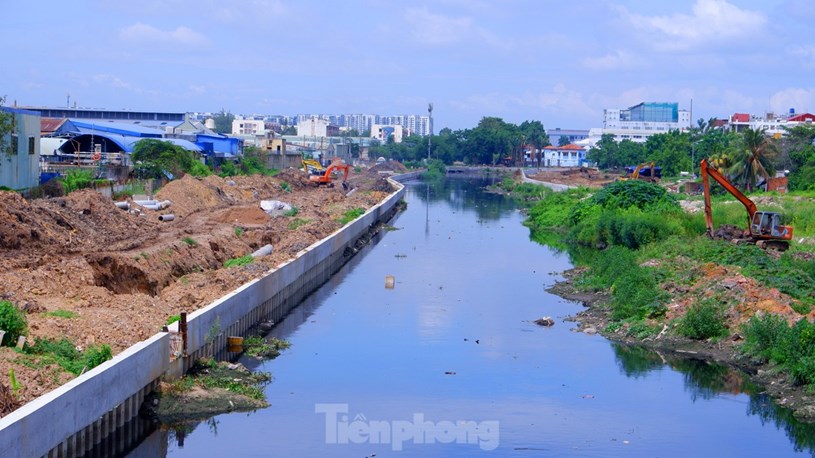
(728, 232)
(190, 194)
(241, 215)
(296, 178)
(83, 220)
(389, 166)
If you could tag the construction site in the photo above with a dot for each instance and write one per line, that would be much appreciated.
(95, 271)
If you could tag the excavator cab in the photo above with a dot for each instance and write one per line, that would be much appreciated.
(769, 225)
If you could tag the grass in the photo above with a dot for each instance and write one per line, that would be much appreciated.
(61, 314)
(351, 215)
(208, 374)
(298, 222)
(266, 348)
(64, 353)
(241, 261)
(190, 241)
(172, 319)
(285, 186)
(292, 212)
(239, 231)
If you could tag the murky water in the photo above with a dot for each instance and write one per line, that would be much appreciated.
(448, 364)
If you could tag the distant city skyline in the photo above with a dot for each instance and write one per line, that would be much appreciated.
(562, 63)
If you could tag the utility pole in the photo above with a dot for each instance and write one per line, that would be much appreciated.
(430, 127)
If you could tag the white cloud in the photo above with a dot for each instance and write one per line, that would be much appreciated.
(803, 100)
(807, 52)
(619, 59)
(111, 80)
(147, 34)
(436, 29)
(711, 22)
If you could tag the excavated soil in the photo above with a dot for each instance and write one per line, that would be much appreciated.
(575, 176)
(124, 273)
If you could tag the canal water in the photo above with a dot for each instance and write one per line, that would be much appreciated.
(449, 363)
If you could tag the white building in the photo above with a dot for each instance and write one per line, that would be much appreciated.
(381, 132)
(252, 127)
(316, 127)
(639, 122)
(570, 155)
(771, 123)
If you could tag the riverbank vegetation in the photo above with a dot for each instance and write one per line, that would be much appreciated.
(663, 276)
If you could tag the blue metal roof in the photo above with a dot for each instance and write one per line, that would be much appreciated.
(131, 130)
(20, 111)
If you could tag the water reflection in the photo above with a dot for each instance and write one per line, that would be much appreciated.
(705, 380)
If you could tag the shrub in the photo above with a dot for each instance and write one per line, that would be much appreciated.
(772, 339)
(634, 228)
(703, 320)
(293, 211)
(199, 169)
(76, 179)
(13, 321)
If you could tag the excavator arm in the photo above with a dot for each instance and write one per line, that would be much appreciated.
(708, 171)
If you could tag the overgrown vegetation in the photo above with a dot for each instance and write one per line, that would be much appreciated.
(64, 353)
(76, 179)
(13, 321)
(703, 320)
(208, 373)
(241, 261)
(435, 170)
(292, 212)
(260, 347)
(351, 215)
(771, 339)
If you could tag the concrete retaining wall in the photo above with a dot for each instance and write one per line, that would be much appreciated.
(77, 416)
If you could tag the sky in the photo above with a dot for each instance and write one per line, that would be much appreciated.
(558, 62)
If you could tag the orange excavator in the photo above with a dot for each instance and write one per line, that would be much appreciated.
(763, 228)
(327, 177)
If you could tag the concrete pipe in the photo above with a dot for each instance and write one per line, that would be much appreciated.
(166, 217)
(265, 250)
(151, 207)
(145, 202)
(123, 205)
(164, 204)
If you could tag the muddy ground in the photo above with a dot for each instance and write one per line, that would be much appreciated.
(597, 316)
(123, 274)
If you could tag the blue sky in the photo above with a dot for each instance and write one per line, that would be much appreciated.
(560, 62)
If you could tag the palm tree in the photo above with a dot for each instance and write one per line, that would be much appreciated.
(752, 158)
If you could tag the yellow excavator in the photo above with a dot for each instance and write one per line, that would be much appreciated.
(645, 171)
(313, 167)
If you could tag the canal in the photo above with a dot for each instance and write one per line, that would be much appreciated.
(449, 363)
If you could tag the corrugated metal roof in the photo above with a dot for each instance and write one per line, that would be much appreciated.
(50, 125)
(131, 130)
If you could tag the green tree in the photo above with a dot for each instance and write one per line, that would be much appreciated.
(564, 140)
(605, 153)
(223, 122)
(154, 157)
(288, 130)
(535, 135)
(671, 151)
(751, 158)
(6, 130)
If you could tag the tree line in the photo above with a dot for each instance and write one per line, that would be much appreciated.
(746, 157)
(491, 142)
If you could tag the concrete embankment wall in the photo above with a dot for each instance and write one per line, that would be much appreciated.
(85, 412)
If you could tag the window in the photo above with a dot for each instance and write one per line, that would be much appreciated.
(31, 145)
